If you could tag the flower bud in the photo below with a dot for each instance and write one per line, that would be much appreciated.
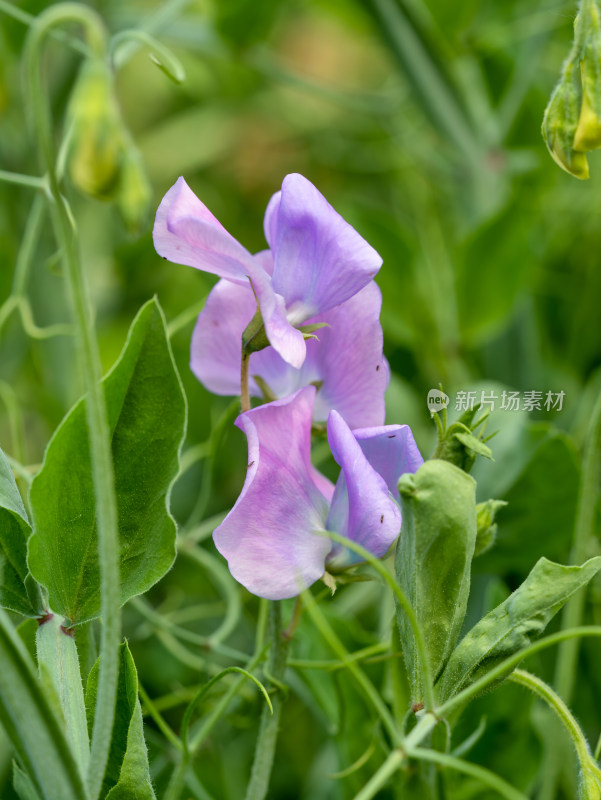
(588, 132)
(486, 525)
(96, 135)
(135, 193)
(559, 127)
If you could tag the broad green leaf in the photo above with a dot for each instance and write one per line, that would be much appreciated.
(510, 627)
(32, 724)
(433, 561)
(146, 413)
(14, 532)
(127, 774)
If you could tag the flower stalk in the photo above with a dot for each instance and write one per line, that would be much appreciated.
(89, 360)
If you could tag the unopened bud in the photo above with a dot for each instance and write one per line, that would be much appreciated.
(559, 127)
(135, 193)
(588, 132)
(96, 134)
(486, 526)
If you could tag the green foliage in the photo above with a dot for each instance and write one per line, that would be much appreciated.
(34, 727)
(14, 531)
(146, 417)
(433, 561)
(511, 626)
(127, 776)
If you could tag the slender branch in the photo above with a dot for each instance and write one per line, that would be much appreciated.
(328, 634)
(554, 701)
(89, 358)
(583, 536)
(244, 388)
(475, 770)
(504, 667)
(405, 605)
(270, 723)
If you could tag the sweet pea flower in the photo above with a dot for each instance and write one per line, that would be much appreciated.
(345, 361)
(319, 260)
(269, 537)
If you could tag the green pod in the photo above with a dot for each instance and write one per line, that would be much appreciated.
(433, 561)
(96, 143)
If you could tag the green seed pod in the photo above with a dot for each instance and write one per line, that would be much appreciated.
(96, 134)
(559, 126)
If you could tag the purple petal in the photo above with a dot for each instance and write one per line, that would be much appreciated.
(392, 451)
(319, 259)
(362, 508)
(215, 352)
(267, 538)
(186, 232)
(346, 361)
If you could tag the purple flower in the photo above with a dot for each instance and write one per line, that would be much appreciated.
(319, 260)
(269, 537)
(346, 362)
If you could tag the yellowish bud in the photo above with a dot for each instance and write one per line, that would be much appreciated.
(559, 127)
(135, 193)
(96, 133)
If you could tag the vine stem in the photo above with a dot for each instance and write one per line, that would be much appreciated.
(565, 669)
(583, 535)
(89, 358)
(244, 388)
(554, 701)
(270, 722)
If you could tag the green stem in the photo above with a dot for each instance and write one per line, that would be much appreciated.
(546, 693)
(584, 536)
(373, 696)
(270, 723)
(244, 389)
(89, 357)
(161, 55)
(567, 660)
(504, 667)
(31, 181)
(58, 658)
(405, 605)
(381, 777)
(475, 770)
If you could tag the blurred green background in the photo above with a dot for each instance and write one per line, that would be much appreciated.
(420, 123)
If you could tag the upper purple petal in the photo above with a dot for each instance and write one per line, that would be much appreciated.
(362, 508)
(186, 232)
(319, 259)
(268, 537)
(391, 450)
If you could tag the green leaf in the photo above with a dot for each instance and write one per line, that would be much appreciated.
(14, 532)
(433, 560)
(58, 660)
(23, 785)
(32, 724)
(146, 411)
(511, 626)
(127, 775)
